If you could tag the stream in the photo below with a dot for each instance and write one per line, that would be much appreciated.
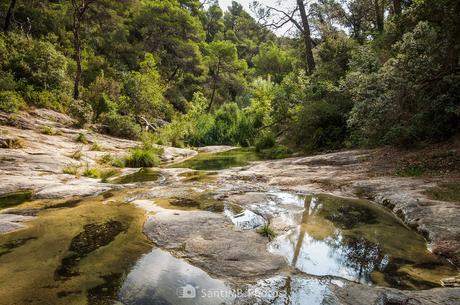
(96, 250)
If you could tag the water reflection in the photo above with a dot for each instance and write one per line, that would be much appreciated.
(288, 289)
(354, 240)
(159, 278)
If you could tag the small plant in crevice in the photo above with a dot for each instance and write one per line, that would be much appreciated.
(82, 138)
(267, 231)
(92, 173)
(50, 131)
(96, 147)
(76, 155)
(107, 174)
(108, 159)
(11, 143)
(70, 169)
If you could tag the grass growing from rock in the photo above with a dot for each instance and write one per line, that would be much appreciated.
(70, 169)
(107, 174)
(50, 131)
(96, 147)
(411, 171)
(76, 155)
(267, 231)
(82, 138)
(108, 159)
(143, 157)
(92, 173)
(445, 192)
(11, 143)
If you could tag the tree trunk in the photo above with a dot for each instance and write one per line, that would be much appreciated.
(379, 15)
(306, 37)
(77, 47)
(9, 16)
(397, 7)
(214, 86)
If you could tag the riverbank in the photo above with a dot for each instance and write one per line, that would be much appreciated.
(185, 209)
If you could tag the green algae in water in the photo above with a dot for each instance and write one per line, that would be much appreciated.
(143, 175)
(360, 241)
(222, 160)
(198, 176)
(14, 198)
(37, 251)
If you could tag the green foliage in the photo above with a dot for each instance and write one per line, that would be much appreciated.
(272, 61)
(82, 112)
(107, 174)
(142, 93)
(395, 104)
(265, 140)
(143, 157)
(70, 169)
(275, 152)
(34, 62)
(81, 138)
(414, 170)
(96, 147)
(10, 101)
(267, 231)
(445, 192)
(92, 173)
(49, 130)
(120, 126)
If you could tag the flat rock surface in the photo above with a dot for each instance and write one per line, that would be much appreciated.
(39, 164)
(210, 241)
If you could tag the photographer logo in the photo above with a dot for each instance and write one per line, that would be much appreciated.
(186, 292)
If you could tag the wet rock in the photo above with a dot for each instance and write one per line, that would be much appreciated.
(12, 222)
(209, 241)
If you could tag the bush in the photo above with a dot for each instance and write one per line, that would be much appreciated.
(120, 126)
(47, 99)
(11, 101)
(82, 112)
(265, 140)
(143, 157)
(320, 125)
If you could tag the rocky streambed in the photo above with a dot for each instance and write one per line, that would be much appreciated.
(225, 228)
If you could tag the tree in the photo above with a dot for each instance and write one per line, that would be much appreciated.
(213, 22)
(9, 16)
(272, 61)
(80, 8)
(224, 67)
(277, 18)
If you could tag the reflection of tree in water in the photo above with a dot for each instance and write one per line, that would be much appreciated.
(358, 253)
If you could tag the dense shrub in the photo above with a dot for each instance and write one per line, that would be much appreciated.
(10, 101)
(143, 157)
(82, 112)
(265, 140)
(404, 103)
(120, 126)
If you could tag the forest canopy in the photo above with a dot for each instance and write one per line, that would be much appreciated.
(350, 72)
